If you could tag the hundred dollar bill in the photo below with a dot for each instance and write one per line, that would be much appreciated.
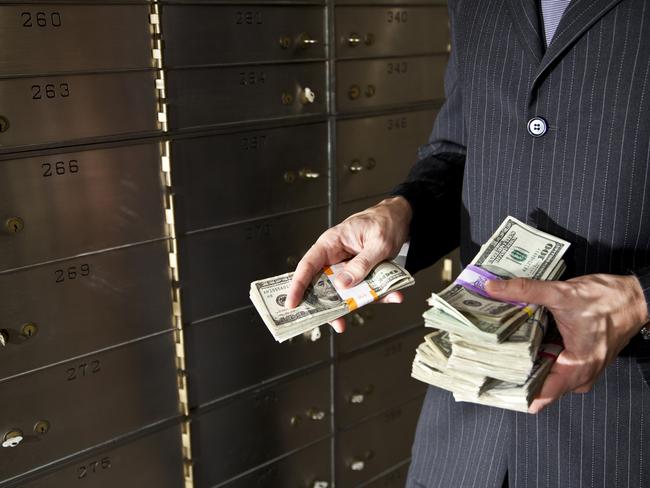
(322, 301)
(519, 250)
(514, 250)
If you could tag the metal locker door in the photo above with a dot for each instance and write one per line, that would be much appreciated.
(88, 356)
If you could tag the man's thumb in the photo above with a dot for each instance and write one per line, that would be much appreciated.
(517, 289)
(357, 269)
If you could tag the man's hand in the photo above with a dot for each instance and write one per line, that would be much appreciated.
(368, 237)
(596, 315)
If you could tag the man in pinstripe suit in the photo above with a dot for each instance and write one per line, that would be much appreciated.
(546, 119)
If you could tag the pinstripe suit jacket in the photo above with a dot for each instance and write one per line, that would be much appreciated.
(587, 180)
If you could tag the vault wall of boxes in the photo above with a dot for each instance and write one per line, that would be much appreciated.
(155, 158)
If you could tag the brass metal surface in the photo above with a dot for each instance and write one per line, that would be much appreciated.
(383, 82)
(153, 460)
(222, 34)
(87, 401)
(282, 169)
(61, 310)
(257, 428)
(78, 202)
(307, 468)
(377, 378)
(390, 31)
(228, 259)
(214, 96)
(66, 108)
(49, 39)
(374, 154)
(209, 347)
(367, 449)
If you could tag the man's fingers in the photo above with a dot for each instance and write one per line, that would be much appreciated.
(338, 325)
(311, 263)
(557, 383)
(526, 291)
(358, 268)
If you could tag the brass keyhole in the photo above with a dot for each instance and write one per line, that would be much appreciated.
(289, 176)
(371, 163)
(285, 42)
(29, 330)
(287, 99)
(370, 90)
(354, 92)
(42, 427)
(14, 225)
(369, 40)
(4, 124)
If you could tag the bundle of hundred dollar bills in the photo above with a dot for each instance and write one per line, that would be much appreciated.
(323, 301)
(485, 350)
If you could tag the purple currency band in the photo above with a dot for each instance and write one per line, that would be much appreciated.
(475, 278)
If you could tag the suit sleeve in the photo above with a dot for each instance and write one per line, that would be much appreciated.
(434, 185)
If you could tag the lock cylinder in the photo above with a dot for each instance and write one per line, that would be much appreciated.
(12, 438)
(14, 225)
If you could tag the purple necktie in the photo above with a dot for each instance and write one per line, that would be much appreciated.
(552, 11)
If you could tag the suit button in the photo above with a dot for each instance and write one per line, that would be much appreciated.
(537, 127)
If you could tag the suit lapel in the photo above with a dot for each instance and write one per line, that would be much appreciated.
(578, 18)
(526, 19)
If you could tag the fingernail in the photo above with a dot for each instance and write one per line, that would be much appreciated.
(336, 328)
(392, 299)
(345, 279)
(496, 285)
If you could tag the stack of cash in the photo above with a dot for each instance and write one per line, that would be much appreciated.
(511, 360)
(513, 396)
(323, 301)
(488, 351)
(431, 366)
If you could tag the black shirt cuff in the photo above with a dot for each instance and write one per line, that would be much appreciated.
(644, 278)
